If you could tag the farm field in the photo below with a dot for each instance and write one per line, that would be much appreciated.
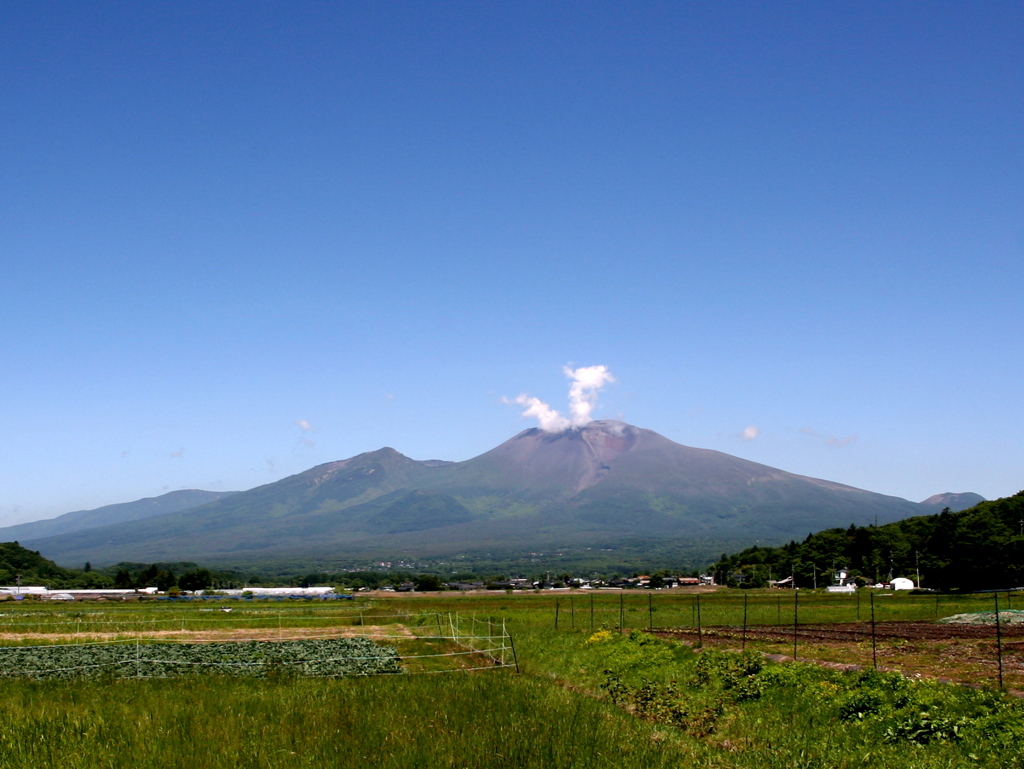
(663, 703)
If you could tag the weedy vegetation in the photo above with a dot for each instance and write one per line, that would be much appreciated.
(588, 695)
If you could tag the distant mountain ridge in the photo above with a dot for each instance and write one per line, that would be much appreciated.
(593, 487)
(80, 520)
(954, 501)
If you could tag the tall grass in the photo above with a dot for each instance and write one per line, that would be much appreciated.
(463, 720)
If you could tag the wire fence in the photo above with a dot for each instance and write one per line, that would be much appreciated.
(865, 629)
(460, 643)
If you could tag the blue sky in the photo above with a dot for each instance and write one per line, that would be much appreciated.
(241, 239)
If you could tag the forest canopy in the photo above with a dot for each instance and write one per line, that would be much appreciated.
(976, 549)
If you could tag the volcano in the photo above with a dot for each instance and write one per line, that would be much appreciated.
(591, 486)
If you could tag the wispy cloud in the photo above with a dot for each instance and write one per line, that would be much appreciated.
(750, 432)
(834, 441)
(179, 454)
(305, 427)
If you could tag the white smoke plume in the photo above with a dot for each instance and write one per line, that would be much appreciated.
(587, 382)
(750, 432)
(550, 420)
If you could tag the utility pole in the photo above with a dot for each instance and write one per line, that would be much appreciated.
(917, 566)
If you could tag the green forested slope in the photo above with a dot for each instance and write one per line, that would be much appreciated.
(979, 548)
(33, 568)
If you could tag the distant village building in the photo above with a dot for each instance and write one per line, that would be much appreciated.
(280, 592)
(38, 590)
(464, 585)
(46, 594)
(843, 583)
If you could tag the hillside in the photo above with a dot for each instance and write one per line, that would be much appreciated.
(975, 549)
(598, 486)
(33, 569)
(80, 520)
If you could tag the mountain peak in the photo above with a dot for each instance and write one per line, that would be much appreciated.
(589, 485)
(955, 501)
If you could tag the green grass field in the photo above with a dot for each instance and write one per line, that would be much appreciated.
(663, 704)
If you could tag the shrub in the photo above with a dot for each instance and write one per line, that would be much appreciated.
(726, 670)
(861, 704)
(923, 727)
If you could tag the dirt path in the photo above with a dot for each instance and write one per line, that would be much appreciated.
(373, 632)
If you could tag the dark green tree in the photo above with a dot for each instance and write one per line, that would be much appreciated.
(195, 581)
(427, 583)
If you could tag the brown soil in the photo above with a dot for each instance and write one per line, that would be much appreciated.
(376, 632)
(963, 654)
(884, 631)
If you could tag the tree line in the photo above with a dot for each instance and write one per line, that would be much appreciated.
(976, 549)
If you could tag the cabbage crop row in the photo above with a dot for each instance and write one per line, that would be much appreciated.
(331, 657)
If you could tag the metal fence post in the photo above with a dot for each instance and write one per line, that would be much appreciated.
(744, 646)
(650, 612)
(796, 616)
(874, 648)
(515, 657)
(999, 641)
(700, 632)
(556, 614)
